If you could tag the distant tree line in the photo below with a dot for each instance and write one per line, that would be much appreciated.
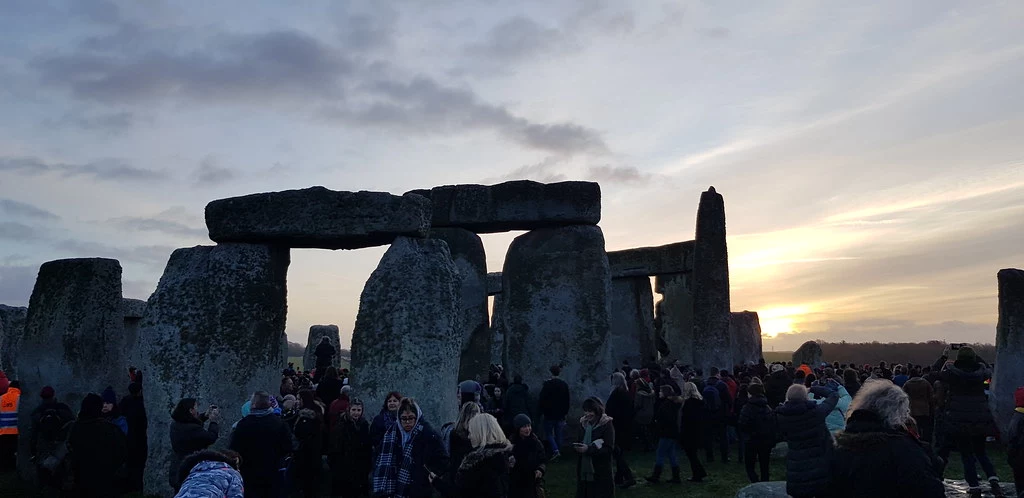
(918, 353)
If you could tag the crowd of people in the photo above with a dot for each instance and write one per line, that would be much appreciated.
(851, 430)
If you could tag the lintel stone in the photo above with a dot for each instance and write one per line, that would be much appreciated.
(652, 261)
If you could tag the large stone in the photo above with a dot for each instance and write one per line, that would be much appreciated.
(770, 489)
(557, 309)
(73, 338)
(12, 325)
(652, 261)
(1009, 369)
(317, 332)
(711, 342)
(809, 353)
(745, 329)
(960, 489)
(498, 331)
(318, 217)
(213, 330)
(467, 251)
(516, 205)
(632, 320)
(133, 310)
(494, 283)
(674, 320)
(408, 334)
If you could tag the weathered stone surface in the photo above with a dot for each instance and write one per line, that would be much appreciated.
(771, 489)
(674, 320)
(12, 325)
(780, 450)
(1009, 369)
(498, 354)
(73, 338)
(516, 205)
(316, 332)
(808, 353)
(408, 334)
(213, 330)
(632, 320)
(652, 261)
(745, 329)
(318, 217)
(133, 310)
(467, 252)
(494, 283)
(711, 341)
(960, 489)
(557, 309)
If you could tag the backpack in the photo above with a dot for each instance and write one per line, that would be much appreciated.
(712, 400)
(50, 425)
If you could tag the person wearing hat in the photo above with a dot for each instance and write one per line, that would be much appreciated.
(97, 450)
(9, 403)
(111, 411)
(133, 407)
(1015, 440)
(757, 422)
(50, 424)
(529, 457)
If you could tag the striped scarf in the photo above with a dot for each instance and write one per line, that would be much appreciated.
(393, 477)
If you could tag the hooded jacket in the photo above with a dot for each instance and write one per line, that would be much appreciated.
(212, 478)
(351, 451)
(188, 436)
(920, 392)
(484, 473)
(97, 450)
(427, 453)
(263, 440)
(530, 457)
(802, 424)
(757, 421)
(965, 411)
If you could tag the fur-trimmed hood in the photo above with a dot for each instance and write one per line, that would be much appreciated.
(479, 455)
(865, 430)
(604, 420)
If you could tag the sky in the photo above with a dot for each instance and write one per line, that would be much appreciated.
(869, 152)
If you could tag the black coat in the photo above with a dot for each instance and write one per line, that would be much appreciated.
(323, 352)
(484, 473)
(517, 400)
(263, 441)
(873, 460)
(308, 432)
(458, 447)
(351, 452)
(775, 388)
(1015, 440)
(692, 422)
(965, 410)
(620, 408)
(427, 453)
(187, 437)
(802, 425)
(603, 485)
(757, 421)
(97, 451)
(666, 419)
(329, 390)
(554, 400)
(530, 457)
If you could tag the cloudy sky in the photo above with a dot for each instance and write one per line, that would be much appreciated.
(869, 152)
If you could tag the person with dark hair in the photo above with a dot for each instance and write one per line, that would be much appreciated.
(51, 421)
(517, 399)
(188, 435)
(287, 387)
(350, 453)
(922, 404)
(776, 384)
(757, 423)
(387, 417)
(111, 411)
(96, 449)
(134, 409)
(263, 440)
(407, 455)
(553, 402)
(594, 477)
(620, 408)
(308, 432)
(329, 387)
(10, 402)
(324, 354)
(692, 423)
(666, 429)
(211, 473)
(528, 452)
(851, 381)
(718, 404)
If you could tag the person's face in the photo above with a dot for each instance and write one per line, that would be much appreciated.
(589, 416)
(526, 430)
(107, 407)
(497, 391)
(355, 412)
(288, 384)
(393, 403)
(195, 410)
(408, 420)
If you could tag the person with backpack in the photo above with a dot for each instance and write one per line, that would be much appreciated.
(308, 432)
(96, 449)
(51, 421)
(9, 404)
(517, 399)
(757, 423)
(718, 404)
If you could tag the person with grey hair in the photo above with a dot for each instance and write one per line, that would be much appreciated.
(620, 408)
(802, 424)
(877, 455)
(263, 440)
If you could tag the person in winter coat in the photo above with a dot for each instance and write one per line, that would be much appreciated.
(851, 381)
(757, 423)
(1015, 441)
(408, 453)
(644, 399)
(51, 422)
(188, 435)
(776, 385)
(308, 432)
(966, 419)
(263, 440)
(495, 405)
(350, 453)
(329, 387)
(134, 409)
(836, 419)
(4, 382)
(802, 424)
(719, 409)
(211, 473)
(922, 404)
(97, 451)
(528, 466)
(484, 473)
(692, 423)
(338, 407)
(459, 444)
(111, 411)
(387, 417)
(324, 353)
(517, 399)
(666, 429)
(620, 408)
(594, 467)
(553, 402)
(876, 455)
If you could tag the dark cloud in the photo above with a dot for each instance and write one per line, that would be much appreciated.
(519, 38)
(210, 173)
(105, 169)
(170, 227)
(545, 171)
(96, 11)
(364, 32)
(15, 208)
(629, 175)
(107, 123)
(19, 232)
(716, 32)
(16, 283)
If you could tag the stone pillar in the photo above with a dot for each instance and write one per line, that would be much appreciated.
(467, 252)
(632, 320)
(213, 330)
(316, 332)
(745, 330)
(498, 331)
(556, 290)
(711, 344)
(1009, 369)
(675, 317)
(408, 334)
(134, 310)
(809, 353)
(73, 339)
(12, 326)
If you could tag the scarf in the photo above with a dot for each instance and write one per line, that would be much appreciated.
(393, 476)
(1019, 409)
(587, 463)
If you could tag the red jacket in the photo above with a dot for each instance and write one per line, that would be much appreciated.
(4, 383)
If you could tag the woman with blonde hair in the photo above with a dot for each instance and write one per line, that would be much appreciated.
(691, 428)
(484, 472)
(457, 436)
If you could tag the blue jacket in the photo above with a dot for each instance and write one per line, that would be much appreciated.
(212, 479)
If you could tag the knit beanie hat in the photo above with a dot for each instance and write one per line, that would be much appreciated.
(521, 420)
(1018, 396)
(756, 390)
(109, 396)
(47, 393)
(966, 354)
(777, 368)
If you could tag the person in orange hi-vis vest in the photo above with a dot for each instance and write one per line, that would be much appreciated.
(9, 426)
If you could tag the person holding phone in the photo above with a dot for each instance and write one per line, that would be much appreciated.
(594, 477)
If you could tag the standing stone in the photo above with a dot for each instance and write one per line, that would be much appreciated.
(809, 354)
(316, 332)
(213, 330)
(711, 342)
(73, 338)
(632, 320)
(745, 329)
(133, 311)
(771, 489)
(1009, 369)
(675, 318)
(494, 283)
(557, 309)
(12, 326)
(408, 334)
(467, 251)
(498, 331)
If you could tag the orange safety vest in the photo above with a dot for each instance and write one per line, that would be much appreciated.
(9, 412)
